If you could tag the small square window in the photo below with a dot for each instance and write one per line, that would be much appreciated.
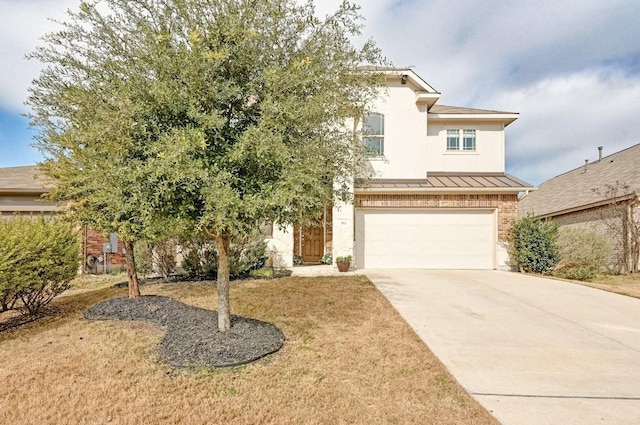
(468, 139)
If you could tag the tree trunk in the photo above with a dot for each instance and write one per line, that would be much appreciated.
(132, 276)
(222, 243)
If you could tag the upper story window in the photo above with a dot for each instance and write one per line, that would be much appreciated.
(468, 139)
(373, 134)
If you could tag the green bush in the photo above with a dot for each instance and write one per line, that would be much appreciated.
(144, 257)
(534, 246)
(582, 254)
(38, 259)
(245, 254)
(269, 273)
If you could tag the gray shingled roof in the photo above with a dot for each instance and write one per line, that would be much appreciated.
(451, 181)
(24, 179)
(444, 109)
(578, 188)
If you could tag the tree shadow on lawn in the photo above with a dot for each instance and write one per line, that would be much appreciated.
(192, 338)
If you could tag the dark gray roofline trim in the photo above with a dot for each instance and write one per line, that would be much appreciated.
(25, 191)
(592, 205)
(441, 190)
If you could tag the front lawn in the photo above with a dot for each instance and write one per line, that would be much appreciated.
(348, 358)
(620, 284)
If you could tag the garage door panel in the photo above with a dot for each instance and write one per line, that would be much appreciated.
(448, 239)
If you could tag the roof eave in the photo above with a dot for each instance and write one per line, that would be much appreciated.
(441, 190)
(589, 206)
(427, 98)
(27, 191)
(504, 118)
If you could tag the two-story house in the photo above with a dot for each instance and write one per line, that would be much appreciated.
(439, 198)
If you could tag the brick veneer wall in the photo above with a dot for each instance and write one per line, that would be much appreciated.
(506, 204)
(93, 246)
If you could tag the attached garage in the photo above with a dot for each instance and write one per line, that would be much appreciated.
(435, 238)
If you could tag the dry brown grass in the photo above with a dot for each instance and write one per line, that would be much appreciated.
(620, 284)
(348, 359)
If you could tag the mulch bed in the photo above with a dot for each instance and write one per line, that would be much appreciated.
(192, 337)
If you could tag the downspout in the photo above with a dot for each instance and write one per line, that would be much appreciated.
(84, 249)
(324, 231)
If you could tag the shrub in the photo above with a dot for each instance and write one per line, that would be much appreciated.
(144, 258)
(245, 254)
(326, 259)
(160, 255)
(582, 254)
(38, 259)
(534, 246)
(269, 273)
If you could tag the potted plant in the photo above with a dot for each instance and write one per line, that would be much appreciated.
(343, 263)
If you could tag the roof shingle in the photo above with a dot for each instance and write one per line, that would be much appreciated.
(578, 188)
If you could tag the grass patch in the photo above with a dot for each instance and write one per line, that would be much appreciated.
(620, 284)
(349, 358)
(269, 273)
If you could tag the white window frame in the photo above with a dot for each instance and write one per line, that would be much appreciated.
(461, 139)
(453, 139)
(378, 138)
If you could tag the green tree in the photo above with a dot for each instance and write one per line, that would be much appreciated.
(220, 114)
(534, 244)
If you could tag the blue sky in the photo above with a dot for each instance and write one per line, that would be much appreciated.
(571, 68)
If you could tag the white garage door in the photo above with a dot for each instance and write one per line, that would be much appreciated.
(427, 239)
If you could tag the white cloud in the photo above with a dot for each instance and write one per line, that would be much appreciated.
(22, 23)
(570, 68)
(565, 118)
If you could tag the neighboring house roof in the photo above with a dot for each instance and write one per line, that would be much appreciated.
(584, 187)
(21, 191)
(449, 182)
(444, 112)
(25, 179)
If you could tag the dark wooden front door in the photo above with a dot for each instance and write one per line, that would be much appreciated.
(312, 241)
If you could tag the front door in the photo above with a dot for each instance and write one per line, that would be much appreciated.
(312, 241)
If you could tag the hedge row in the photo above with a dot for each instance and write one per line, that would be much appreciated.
(38, 259)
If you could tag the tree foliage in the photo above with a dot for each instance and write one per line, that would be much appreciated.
(38, 259)
(534, 246)
(213, 114)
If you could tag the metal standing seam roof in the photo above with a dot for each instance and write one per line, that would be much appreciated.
(450, 181)
(584, 187)
(25, 179)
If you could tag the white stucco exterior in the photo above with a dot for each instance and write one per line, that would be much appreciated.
(280, 247)
(489, 156)
(405, 135)
(415, 144)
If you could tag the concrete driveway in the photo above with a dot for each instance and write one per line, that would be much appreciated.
(530, 350)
